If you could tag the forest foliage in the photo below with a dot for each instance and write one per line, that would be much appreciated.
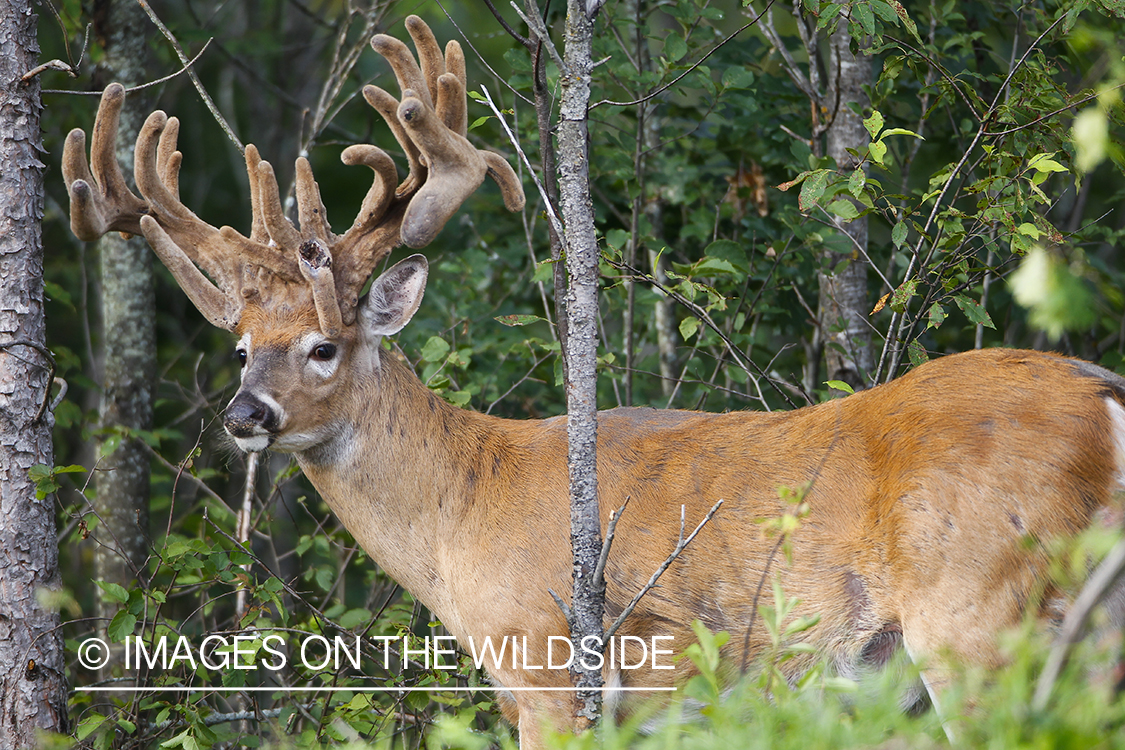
(992, 183)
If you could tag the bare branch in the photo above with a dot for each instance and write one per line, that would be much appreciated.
(549, 207)
(191, 73)
(143, 86)
(680, 546)
(791, 67)
(538, 29)
(1096, 588)
(611, 530)
(677, 79)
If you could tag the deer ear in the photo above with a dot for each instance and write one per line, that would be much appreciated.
(394, 297)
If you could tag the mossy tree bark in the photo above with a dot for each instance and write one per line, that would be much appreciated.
(129, 341)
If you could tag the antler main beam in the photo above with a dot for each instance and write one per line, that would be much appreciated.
(222, 270)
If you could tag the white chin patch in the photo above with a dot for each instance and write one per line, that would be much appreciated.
(255, 444)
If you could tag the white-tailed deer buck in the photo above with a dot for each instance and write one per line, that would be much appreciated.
(930, 497)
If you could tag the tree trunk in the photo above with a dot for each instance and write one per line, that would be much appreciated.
(32, 679)
(128, 317)
(651, 206)
(844, 302)
(588, 603)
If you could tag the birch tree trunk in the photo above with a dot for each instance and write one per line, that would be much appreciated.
(128, 321)
(588, 602)
(843, 296)
(32, 678)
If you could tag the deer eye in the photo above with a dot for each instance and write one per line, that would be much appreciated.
(324, 352)
(241, 355)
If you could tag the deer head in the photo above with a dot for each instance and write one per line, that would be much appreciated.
(290, 290)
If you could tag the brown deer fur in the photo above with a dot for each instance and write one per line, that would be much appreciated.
(930, 498)
(923, 494)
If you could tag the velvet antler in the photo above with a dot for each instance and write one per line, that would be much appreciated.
(221, 270)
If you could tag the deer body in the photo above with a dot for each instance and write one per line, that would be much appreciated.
(930, 498)
(923, 495)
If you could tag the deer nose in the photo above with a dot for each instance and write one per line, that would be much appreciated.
(248, 416)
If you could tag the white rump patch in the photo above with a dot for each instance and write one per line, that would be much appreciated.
(1117, 422)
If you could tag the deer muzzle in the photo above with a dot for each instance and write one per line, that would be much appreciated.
(251, 421)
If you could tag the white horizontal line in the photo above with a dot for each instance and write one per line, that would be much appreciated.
(257, 689)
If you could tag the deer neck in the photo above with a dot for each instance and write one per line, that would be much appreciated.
(400, 475)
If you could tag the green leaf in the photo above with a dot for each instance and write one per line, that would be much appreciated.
(544, 271)
(1044, 163)
(861, 12)
(688, 327)
(916, 353)
(674, 47)
(517, 320)
(88, 725)
(874, 123)
(843, 208)
(973, 310)
(877, 150)
(902, 296)
(898, 233)
(115, 591)
(121, 626)
(900, 131)
(795, 181)
(730, 251)
(710, 266)
(905, 20)
(479, 121)
(737, 77)
(457, 398)
(840, 385)
(812, 189)
(857, 181)
(435, 349)
(936, 316)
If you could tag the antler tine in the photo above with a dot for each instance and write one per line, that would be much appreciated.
(311, 214)
(168, 158)
(316, 267)
(100, 201)
(221, 310)
(412, 81)
(257, 223)
(429, 58)
(223, 253)
(451, 98)
(199, 240)
(457, 169)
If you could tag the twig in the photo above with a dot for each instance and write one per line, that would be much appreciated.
(680, 545)
(746, 363)
(1098, 585)
(754, 603)
(242, 527)
(768, 30)
(50, 368)
(677, 79)
(50, 65)
(539, 30)
(142, 86)
(523, 41)
(556, 223)
(191, 73)
(610, 532)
